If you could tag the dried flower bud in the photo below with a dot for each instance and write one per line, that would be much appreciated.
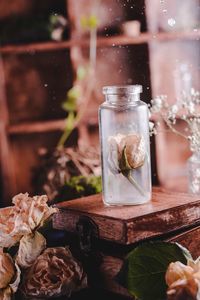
(182, 279)
(132, 146)
(30, 248)
(67, 276)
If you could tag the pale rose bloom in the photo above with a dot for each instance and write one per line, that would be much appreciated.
(134, 149)
(182, 278)
(133, 146)
(27, 214)
(67, 277)
(9, 276)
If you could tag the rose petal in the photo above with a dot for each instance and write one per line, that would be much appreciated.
(7, 269)
(113, 155)
(6, 294)
(14, 285)
(177, 271)
(135, 150)
(30, 248)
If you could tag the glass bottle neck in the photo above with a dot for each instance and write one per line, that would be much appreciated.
(122, 99)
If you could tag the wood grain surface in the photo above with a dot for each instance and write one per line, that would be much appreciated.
(167, 212)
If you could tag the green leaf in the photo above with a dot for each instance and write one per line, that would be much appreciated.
(72, 96)
(69, 126)
(93, 22)
(143, 272)
(81, 72)
(90, 22)
(123, 163)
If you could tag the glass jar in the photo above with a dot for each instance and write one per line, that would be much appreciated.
(125, 147)
(194, 173)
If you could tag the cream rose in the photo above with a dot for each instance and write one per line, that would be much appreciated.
(132, 146)
(9, 276)
(183, 280)
(27, 214)
(54, 273)
(125, 154)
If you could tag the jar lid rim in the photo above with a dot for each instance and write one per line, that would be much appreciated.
(122, 89)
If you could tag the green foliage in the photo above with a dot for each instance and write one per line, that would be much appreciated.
(70, 103)
(69, 126)
(81, 73)
(90, 22)
(80, 186)
(143, 272)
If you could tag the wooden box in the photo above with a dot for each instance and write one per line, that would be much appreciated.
(113, 231)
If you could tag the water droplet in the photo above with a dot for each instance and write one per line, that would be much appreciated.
(113, 44)
(45, 85)
(171, 22)
(164, 11)
(131, 7)
(195, 29)
(147, 87)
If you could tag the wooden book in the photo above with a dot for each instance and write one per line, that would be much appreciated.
(169, 216)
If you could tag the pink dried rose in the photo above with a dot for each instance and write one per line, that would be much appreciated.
(27, 214)
(183, 280)
(9, 276)
(55, 273)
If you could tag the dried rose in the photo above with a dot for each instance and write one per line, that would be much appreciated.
(9, 276)
(182, 279)
(30, 247)
(126, 153)
(54, 273)
(27, 214)
(132, 145)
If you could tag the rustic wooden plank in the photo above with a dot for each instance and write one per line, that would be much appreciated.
(101, 42)
(36, 127)
(167, 212)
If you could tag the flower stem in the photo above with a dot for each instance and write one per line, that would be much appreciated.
(130, 178)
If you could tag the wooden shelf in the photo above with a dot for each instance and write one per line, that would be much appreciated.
(43, 126)
(101, 42)
(36, 127)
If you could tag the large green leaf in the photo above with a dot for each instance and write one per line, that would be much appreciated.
(143, 273)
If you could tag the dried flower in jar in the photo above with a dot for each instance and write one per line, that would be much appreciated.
(126, 153)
